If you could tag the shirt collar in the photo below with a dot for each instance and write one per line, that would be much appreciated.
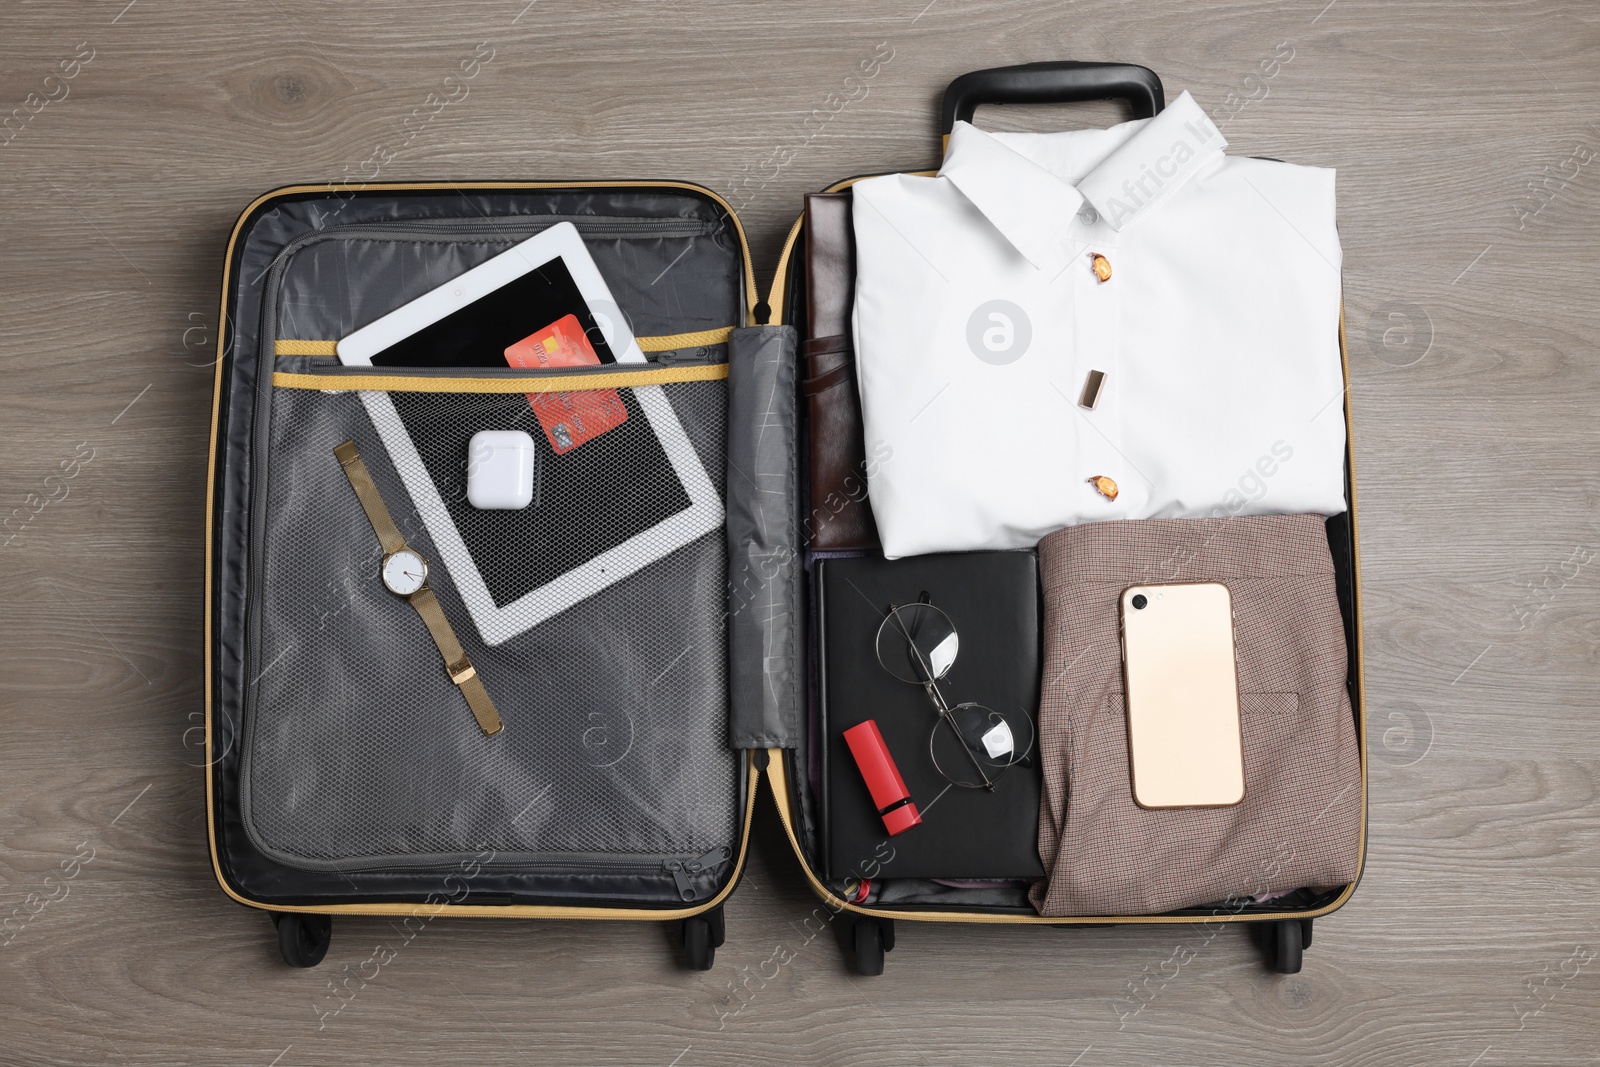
(1029, 205)
(1152, 164)
(1024, 185)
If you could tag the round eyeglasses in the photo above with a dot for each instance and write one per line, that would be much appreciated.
(971, 745)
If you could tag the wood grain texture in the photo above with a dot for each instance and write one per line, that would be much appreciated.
(1476, 379)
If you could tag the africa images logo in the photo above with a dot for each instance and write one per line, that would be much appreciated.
(999, 332)
(1155, 174)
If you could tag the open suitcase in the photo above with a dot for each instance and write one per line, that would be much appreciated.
(320, 683)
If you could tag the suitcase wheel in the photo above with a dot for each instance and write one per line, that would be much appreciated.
(872, 938)
(303, 939)
(700, 935)
(1288, 942)
(1283, 943)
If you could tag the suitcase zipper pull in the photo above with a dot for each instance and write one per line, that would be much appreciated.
(682, 869)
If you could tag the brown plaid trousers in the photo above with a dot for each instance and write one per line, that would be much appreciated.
(1299, 824)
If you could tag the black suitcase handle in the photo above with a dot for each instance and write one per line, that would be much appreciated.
(1063, 82)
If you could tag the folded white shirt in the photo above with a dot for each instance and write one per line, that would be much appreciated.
(979, 316)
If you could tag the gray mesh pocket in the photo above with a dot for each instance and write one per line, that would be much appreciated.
(611, 680)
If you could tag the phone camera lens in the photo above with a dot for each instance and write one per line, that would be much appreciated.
(1139, 600)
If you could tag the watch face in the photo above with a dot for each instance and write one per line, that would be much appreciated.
(404, 572)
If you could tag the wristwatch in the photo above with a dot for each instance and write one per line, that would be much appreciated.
(405, 574)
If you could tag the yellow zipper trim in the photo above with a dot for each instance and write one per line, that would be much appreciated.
(559, 383)
(305, 348)
(777, 774)
(411, 187)
(780, 277)
(1355, 574)
(512, 911)
(668, 342)
(777, 781)
(538, 911)
(694, 339)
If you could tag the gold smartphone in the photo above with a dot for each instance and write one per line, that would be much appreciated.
(1184, 745)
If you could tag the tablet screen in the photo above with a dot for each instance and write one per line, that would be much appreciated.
(478, 334)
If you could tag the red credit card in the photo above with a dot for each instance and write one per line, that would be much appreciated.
(569, 419)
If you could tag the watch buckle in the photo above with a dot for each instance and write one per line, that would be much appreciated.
(462, 670)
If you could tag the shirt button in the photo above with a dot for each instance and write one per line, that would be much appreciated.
(1088, 215)
(1102, 267)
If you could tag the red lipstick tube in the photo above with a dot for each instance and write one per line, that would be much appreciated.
(889, 793)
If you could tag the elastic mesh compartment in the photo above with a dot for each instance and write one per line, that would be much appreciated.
(359, 749)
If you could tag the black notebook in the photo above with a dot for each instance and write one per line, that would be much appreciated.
(993, 600)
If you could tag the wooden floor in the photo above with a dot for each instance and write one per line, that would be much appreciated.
(1468, 154)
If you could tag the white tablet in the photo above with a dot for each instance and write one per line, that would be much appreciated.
(514, 569)
(471, 319)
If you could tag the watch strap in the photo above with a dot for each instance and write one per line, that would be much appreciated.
(355, 469)
(456, 663)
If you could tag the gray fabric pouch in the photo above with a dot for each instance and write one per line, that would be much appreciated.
(766, 627)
